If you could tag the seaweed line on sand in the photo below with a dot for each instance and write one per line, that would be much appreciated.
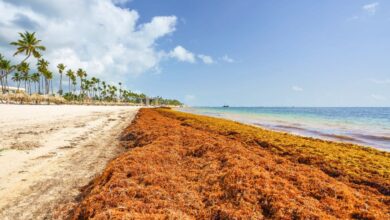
(184, 166)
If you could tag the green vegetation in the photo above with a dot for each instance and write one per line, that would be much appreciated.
(81, 88)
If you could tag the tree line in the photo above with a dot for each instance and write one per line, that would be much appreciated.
(80, 87)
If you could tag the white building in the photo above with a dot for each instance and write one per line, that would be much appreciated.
(11, 89)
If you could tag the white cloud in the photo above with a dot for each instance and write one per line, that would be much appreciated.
(380, 81)
(226, 58)
(297, 88)
(206, 59)
(378, 97)
(371, 8)
(121, 2)
(182, 54)
(96, 35)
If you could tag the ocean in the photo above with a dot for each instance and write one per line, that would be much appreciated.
(359, 125)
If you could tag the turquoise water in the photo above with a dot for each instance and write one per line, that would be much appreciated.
(364, 126)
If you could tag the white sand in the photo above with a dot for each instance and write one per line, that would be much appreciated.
(48, 152)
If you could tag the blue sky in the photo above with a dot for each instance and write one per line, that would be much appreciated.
(260, 53)
(306, 53)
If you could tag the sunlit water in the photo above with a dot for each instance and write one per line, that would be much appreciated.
(364, 126)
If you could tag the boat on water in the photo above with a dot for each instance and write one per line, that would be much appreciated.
(226, 106)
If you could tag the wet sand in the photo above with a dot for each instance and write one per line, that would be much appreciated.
(48, 152)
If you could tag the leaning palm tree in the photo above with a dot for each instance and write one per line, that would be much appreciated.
(61, 67)
(29, 45)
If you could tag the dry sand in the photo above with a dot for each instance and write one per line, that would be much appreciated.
(48, 152)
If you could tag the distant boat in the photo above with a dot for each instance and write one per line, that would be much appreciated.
(226, 106)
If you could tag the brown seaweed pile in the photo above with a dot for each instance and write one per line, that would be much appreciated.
(180, 166)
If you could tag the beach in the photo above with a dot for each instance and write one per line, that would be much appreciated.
(117, 162)
(186, 166)
(48, 152)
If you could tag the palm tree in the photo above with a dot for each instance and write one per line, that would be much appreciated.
(29, 45)
(61, 67)
(98, 88)
(29, 80)
(70, 75)
(6, 68)
(24, 68)
(120, 90)
(74, 82)
(104, 91)
(35, 79)
(17, 78)
(42, 69)
(81, 74)
(49, 78)
(1, 71)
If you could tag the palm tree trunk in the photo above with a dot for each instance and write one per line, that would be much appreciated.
(60, 84)
(40, 85)
(2, 85)
(47, 86)
(6, 82)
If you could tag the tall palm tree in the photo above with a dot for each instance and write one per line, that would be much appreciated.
(24, 68)
(74, 82)
(6, 68)
(1, 71)
(29, 80)
(17, 78)
(81, 74)
(70, 75)
(35, 79)
(98, 88)
(42, 69)
(49, 78)
(104, 91)
(120, 90)
(29, 45)
(61, 67)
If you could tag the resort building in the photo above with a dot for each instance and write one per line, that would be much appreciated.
(11, 89)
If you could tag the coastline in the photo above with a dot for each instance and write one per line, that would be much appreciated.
(189, 166)
(373, 132)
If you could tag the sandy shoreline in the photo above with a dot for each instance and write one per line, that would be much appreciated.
(48, 152)
(185, 166)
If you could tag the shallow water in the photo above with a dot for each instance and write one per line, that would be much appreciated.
(364, 126)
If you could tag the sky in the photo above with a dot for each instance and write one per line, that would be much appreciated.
(219, 52)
